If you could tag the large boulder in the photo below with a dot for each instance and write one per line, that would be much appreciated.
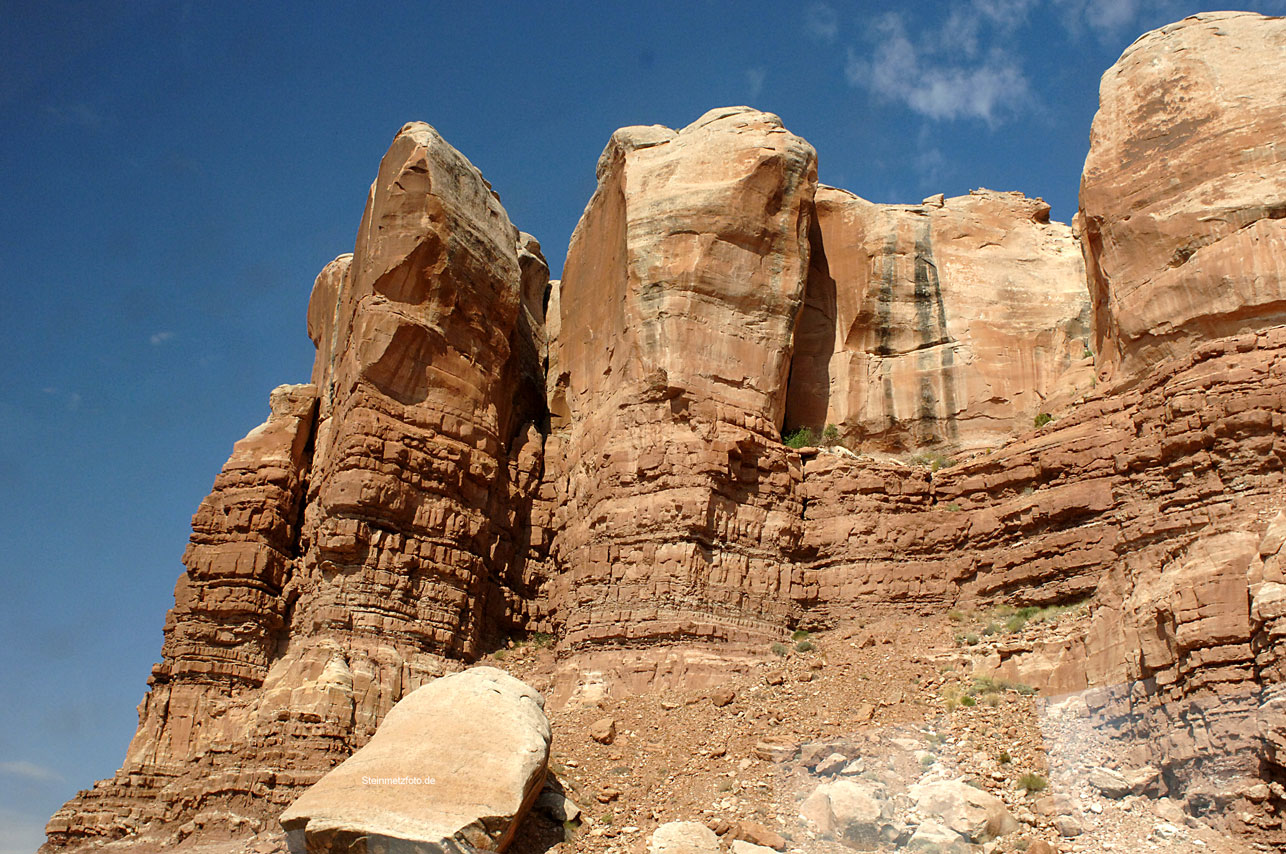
(967, 810)
(1184, 190)
(856, 811)
(455, 764)
(683, 837)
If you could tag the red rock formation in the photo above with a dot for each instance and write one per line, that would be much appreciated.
(357, 543)
(221, 637)
(463, 467)
(950, 324)
(668, 385)
(1183, 199)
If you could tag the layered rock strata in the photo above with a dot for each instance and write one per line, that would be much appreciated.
(371, 534)
(483, 452)
(1184, 190)
(946, 325)
(674, 496)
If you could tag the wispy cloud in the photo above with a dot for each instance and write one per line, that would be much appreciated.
(29, 771)
(159, 338)
(1121, 21)
(75, 114)
(925, 77)
(821, 22)
(72, 399)
(755, 78)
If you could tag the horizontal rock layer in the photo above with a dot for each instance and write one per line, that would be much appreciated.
(483, 452)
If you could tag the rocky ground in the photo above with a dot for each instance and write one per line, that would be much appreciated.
(867, 700)
(883, 702)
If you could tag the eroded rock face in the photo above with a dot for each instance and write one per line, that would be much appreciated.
(947, 325)
(668, 384)
(1184, 190)
(483, 451)
(365, 539)
(229, 614)
(454, 764)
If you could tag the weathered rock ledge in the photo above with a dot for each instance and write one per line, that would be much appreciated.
(483, 453)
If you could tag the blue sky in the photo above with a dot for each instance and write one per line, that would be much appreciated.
(173, 175)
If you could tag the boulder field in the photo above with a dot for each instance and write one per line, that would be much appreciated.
(754, 405)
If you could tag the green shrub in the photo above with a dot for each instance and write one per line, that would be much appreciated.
(498, 655)
(800, 634)
(971, 639)
(606, 818)
(931, 460)
(779, 648)
(966, 700)
(801, 438)
(830, 436)
(1004, 758)
(927, 759)
(805, 646)
(953, 507)
(1043, 419)
(1032, 782)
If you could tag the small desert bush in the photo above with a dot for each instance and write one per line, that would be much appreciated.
(932, 460)
(1032, 782)
(779, 648)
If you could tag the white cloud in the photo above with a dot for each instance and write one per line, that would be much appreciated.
(72, 399)
(77, 114)
(927, 78)
(821, 22)
(159, 338)
(755, 78)
(1119, 22)
(29, 771)
(1112, 17)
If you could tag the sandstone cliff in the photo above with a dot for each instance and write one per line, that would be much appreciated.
(949, 325)
(483, 453)
(1184, 190)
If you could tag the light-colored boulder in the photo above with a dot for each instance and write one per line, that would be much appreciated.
(741, 846)
(455, 764)
(1109, 782)
(932, 837)
(683, 837)
(854, 810)
(967, 810)
(1183, 197)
